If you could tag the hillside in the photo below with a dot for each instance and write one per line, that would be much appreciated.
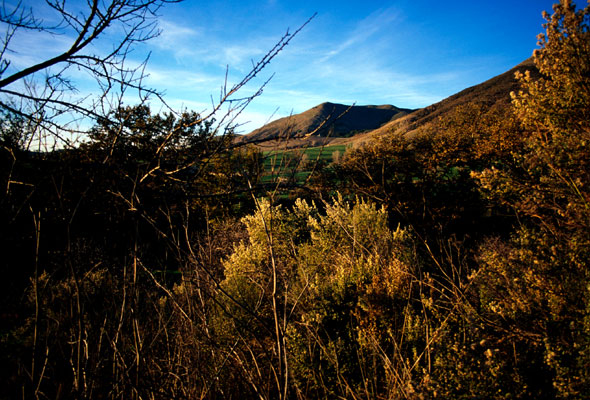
(324, 123)
(495, 91)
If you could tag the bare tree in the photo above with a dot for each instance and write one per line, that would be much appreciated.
(94, 37)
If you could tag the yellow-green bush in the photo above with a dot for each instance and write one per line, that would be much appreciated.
(338, 283)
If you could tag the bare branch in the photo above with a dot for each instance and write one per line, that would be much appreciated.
(135, 18)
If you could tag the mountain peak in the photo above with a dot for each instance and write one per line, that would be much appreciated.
(327, 120)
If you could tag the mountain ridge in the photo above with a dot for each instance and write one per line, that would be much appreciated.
(333, 123)
(494, 91)
(325, 122)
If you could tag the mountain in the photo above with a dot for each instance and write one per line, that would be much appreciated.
(338, 123)
(493, 92)
(325, 122)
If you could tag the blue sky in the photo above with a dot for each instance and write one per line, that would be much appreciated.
(409, 53)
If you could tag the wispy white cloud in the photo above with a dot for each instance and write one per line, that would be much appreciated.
(365, 29)
(362, 64)
(28, 48)
(172, 33)
(179, 40)
(237, 55)
(178, 78)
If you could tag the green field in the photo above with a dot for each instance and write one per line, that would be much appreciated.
(277, 157)
(297, 163)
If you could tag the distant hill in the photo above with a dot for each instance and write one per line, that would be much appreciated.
(324, 123)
